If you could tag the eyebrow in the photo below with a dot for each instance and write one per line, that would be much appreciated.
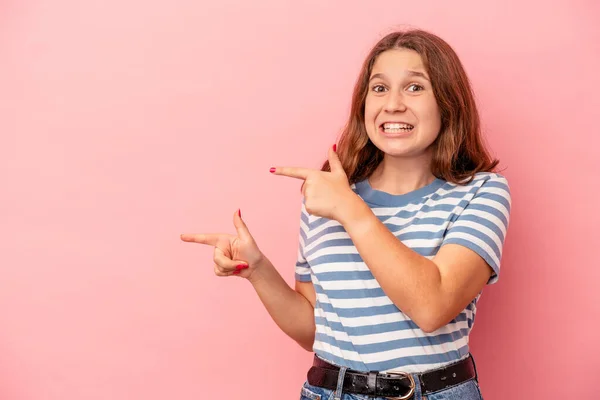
(410, 73)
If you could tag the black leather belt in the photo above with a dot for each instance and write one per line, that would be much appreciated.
(394, 385)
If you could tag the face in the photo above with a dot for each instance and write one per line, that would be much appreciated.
(402, 117)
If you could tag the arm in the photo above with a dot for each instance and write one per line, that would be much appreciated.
(292, 310)
(430, 292)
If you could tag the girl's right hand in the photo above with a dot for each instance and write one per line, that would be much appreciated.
(234, 255)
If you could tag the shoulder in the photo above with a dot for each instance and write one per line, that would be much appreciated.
(494, 185)
(492, 190)
(484, 182)
(485, 189)
(481, 182)
(489, 179)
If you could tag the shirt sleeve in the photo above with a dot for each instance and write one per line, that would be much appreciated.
(483, 222)
(302, 267)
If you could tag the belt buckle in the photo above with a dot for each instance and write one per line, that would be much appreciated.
(412, 385)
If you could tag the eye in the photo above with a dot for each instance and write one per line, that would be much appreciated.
(378, 88)
(417, 87)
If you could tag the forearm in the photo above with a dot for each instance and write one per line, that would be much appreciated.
(412, 282)
(290, 310)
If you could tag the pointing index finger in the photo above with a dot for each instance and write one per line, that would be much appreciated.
(209, 239)
(292, 172)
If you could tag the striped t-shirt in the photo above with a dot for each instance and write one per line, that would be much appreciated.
(357, 325)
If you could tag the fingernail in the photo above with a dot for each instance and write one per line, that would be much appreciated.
(240, 267)
(240, 213)
(272, 170)
(237, 272)
(334, 147)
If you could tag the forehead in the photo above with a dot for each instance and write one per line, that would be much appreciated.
(397, 61)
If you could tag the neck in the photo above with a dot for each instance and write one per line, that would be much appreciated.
(399, 175)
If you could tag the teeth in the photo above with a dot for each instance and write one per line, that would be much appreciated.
(387, 126)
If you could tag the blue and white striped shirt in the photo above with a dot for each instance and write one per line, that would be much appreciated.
(357, 325)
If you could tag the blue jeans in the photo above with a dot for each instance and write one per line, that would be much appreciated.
(468, 390)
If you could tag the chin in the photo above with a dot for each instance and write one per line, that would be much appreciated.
(398, 150)
(402, 148)
(400, 154)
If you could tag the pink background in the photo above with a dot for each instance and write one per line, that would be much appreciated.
(125, 123)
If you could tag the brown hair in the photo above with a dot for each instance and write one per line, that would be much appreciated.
(458, 151)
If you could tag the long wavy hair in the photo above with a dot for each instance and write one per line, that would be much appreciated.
(458, 151)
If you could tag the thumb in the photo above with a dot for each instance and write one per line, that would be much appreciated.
(334, 161)
(240, 226)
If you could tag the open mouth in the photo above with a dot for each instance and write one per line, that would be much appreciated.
(395, 127)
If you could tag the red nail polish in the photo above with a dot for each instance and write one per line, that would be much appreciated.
(240, 213)
(240, 267)
(272, 170)
(334, 147)
(236, 272)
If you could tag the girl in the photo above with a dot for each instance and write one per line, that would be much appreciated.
(401, 230)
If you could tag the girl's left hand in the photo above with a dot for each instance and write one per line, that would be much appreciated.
(326, 194)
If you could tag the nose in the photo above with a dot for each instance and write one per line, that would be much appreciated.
(394, 102)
